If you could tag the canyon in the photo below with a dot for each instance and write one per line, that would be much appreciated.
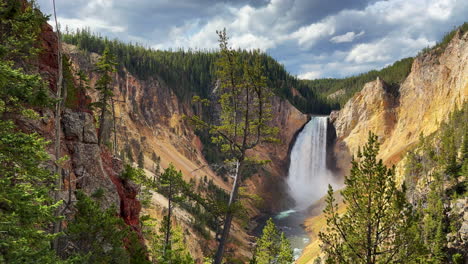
(151, 123)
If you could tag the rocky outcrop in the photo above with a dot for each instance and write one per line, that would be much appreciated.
(458, 239)
(87, 166)
(437, 83)
(127, 191)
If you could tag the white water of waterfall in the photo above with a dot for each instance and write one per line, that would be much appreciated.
(309, 177)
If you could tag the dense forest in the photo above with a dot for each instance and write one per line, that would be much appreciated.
(192, 72)
(345, 88)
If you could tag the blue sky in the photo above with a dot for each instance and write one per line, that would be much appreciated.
(312, 38)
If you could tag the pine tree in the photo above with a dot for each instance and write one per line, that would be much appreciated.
(98, 235)
(272, 247)
(376, 225)
(26, 209)
(105, 67)
(434, 223)
(174, 250)
(245, 113)
(172, 186)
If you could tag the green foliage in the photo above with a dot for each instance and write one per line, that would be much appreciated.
(393, 75)
(172, 185)
(105, 67)
(20, 25)
(19, 29)
(437, 164)
(26, 209)
(272, 247)
(434, 229)
(440, 46)
(98, 235)
(73, 92)
(457, 258)
(443, 153)
(18, 88)
(377, 225)
(134, 174)
(177, 251)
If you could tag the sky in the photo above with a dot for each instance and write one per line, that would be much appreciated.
(312, 38)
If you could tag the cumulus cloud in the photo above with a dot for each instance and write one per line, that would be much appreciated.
(383, 50)
(307, 36)
(311, 75)
(312, 38)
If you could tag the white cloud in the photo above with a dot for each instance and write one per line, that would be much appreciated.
(387, 49)
(387, 30)
(347, 37)
(307, 36)
(94, 24)
(310, 75)
(442, 9)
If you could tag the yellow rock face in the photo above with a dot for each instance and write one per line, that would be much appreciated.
(435, 86)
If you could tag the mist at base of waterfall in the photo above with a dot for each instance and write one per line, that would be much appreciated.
(308, 176)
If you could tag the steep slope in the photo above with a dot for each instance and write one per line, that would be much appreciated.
(436, 85)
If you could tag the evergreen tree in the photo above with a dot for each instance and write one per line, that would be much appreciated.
(98, 235)
(26, 209)
(172, 186)
(105, 67)
(377, 225)
(20, 25)
(245, 112)
(272, 247)
(174, 250)
(434, 223)
(156, 243)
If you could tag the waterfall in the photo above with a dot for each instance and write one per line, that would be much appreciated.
(309, 177)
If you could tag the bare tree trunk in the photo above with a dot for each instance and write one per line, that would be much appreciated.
(58, 111)
(229, 215)
(102, 119)
(168, 222)
(115, 127)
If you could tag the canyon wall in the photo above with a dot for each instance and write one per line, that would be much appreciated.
(150, 122)
(437, 83)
